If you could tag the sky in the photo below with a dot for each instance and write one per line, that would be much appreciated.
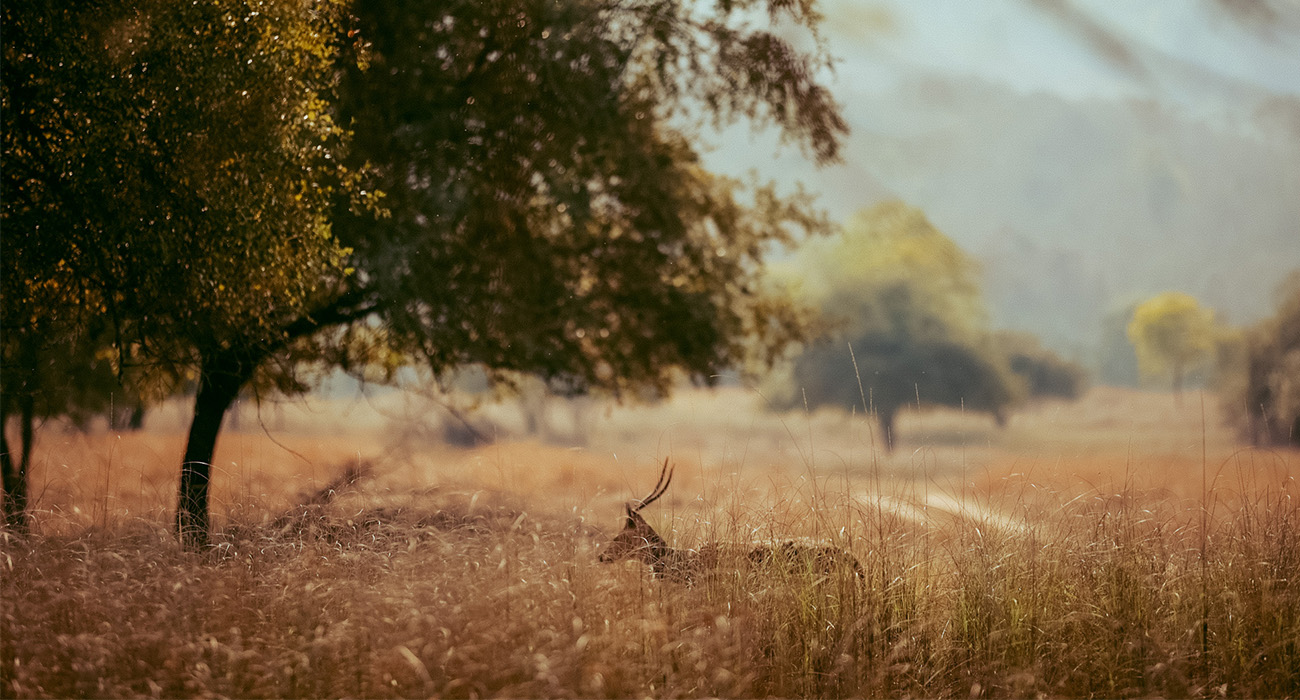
(1129, 147)
(1021, 44)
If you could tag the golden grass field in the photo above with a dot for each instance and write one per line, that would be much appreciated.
(1121, 546)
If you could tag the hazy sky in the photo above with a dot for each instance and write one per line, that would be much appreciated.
(1190, 56)
(1028, 47)
(1138, 146)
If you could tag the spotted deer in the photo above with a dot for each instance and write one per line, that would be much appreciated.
(637, 540)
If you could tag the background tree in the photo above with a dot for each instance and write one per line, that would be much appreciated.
(546, 210)
(908, 304)
(76, 376)
(1172, 333)
(1263, 393)
(1042, 372)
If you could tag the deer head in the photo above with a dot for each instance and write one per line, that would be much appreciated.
(638, 540)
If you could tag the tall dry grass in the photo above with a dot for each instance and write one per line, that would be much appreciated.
(1042, 562)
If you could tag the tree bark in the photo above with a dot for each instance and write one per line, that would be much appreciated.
(15, 473)
(220, 380)
(221, 375)
(136, 421)
(886, 418)
(1178, 384)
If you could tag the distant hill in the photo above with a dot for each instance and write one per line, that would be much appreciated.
(1076, 207)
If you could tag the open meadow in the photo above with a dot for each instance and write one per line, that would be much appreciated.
(1121, 546)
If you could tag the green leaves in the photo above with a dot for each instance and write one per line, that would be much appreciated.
(181, 158)
(548, 214)
(891, 255)
(911, 322)
(1171, 333)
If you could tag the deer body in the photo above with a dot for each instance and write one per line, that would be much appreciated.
(637, 540)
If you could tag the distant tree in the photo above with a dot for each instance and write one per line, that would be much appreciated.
(1264, 396)
(884, 373)
(911, 323)
(1172, 333)
(1043, 372)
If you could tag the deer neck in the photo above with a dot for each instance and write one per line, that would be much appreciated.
(656, 550)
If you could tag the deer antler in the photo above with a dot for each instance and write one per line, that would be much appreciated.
(665, 478)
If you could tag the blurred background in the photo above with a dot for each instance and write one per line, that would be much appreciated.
(1088, 154)
(1034, 202)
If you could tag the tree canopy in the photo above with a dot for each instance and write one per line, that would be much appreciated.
(547, 212)
(911, 324)
(170, 169)
(1171, 333)
(1042, 372)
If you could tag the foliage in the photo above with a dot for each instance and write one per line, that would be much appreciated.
(170, 164)
(546, 211)
(1043, 372)
(169, 167)
(82, 379)
(1172, 333)
(553, 135)
(1263, 397)
(912, 323)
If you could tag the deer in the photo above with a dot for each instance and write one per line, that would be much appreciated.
(637, 540)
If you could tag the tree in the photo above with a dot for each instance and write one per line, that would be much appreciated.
(545, 210)
(69, 376)
(1263, 395)
(170, 167)
(911, 323)
(1042, 372)
(887, 373)
(551, 134)
(1171, 333)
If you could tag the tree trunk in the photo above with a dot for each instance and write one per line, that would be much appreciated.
(220, 380)
(886, 418)
(1178, 384)
(15, 474)
(136, 421)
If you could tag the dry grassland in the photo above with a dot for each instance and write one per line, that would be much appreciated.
(1120, 546)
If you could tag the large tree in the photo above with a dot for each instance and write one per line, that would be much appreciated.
(548, 213)
(170, 168)
(544, 207)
